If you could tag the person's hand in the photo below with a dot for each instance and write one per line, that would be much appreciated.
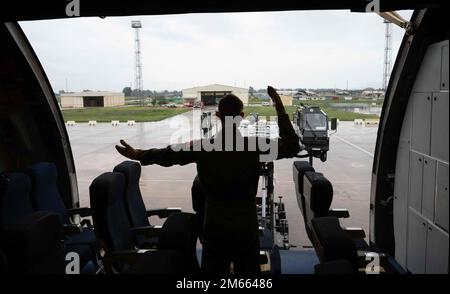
(128, 151)
(275, 98)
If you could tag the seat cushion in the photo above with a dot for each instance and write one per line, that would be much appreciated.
(87, 236)
(146, 242)
(341, 266)
(157, 262)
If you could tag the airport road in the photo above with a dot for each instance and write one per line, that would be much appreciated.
(348, 167)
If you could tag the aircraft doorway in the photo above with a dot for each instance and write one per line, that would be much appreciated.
(93, 101)
(212, 98)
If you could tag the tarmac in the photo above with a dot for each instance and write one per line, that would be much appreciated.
(348, 167)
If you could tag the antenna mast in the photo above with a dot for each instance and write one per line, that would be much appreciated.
(387, 55)
(136, 25)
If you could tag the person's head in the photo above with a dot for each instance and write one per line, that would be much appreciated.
(230, 105)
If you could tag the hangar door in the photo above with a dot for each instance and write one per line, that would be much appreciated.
(93, 101)
(212, 98)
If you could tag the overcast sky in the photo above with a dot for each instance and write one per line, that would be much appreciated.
(308, 49)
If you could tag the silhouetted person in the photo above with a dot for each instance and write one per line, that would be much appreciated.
(224, 191)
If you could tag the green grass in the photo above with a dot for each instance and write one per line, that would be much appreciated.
(331, 112)
(107, 114)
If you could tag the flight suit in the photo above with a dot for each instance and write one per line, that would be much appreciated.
(228, 183)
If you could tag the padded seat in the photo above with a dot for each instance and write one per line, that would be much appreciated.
(137, 213)
(331, 242)
(45, 196)
(113, 228)
(15, 204)
(33, 244)
(44, 192)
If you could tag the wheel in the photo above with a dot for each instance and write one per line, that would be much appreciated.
(323, 156)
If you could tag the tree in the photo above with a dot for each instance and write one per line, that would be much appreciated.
(251, 90)
(127, 91)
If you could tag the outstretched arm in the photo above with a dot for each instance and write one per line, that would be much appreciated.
(161, 156)
(288, 143)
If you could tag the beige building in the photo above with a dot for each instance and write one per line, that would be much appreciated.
(287, 100)
(211, 94)
(92, 99)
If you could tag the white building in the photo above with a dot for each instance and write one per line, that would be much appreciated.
(92, 99)
(211, 94)
(373, 94)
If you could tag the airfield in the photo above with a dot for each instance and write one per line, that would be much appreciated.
(348, 167)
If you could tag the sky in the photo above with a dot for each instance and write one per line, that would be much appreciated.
(296, 49)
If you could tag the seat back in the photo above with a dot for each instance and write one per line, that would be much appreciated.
(180, 233)
(109, 215)
(299, 169)
(318, 193)
(331, 242)
(44, 191)
(134, 204)
(14, 198)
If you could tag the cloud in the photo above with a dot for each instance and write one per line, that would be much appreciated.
(286, 49)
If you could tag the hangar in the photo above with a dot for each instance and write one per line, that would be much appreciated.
(211, 94)
(92, 99)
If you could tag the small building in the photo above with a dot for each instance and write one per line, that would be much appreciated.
(373, 94)
(92, 99)
(286, 100)
(210, 95)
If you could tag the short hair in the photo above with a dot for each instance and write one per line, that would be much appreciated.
(230, 105)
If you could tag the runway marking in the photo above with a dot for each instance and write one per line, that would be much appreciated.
(355, 146)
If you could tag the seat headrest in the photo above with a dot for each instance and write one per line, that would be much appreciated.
(131, 170)
(14, 197)
(106, 189)
(319, 194)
